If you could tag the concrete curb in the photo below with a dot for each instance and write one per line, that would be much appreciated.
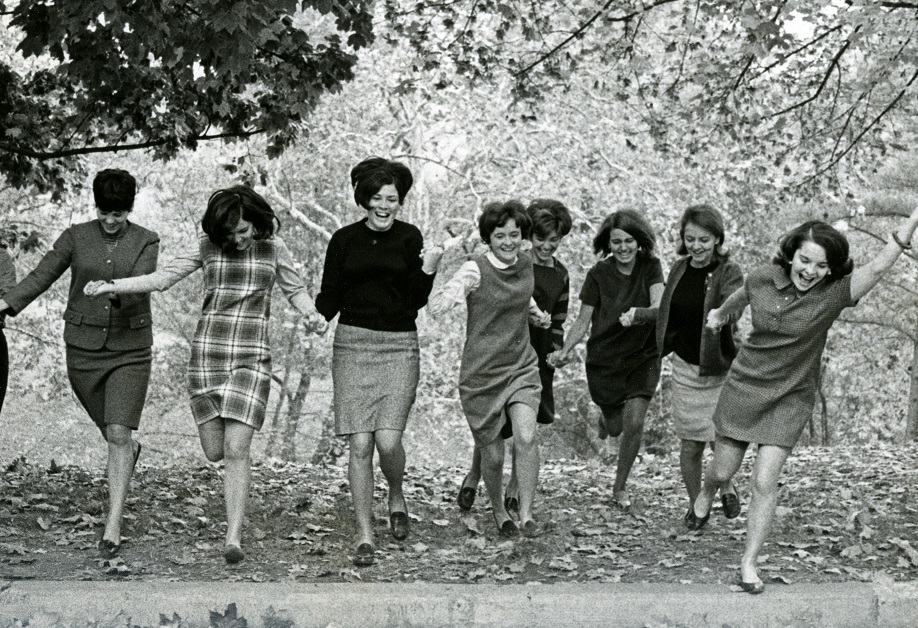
(98, 604)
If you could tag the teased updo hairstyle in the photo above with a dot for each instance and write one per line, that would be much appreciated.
(547, 216)
(114, 190)
(370, 175)
(825, 235)
(497, 214)
(225, 208)
(710, 220)
(632, 223)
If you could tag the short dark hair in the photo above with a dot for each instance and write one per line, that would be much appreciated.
(370, 175)
(833, 242)
(549, 215)
(497, 214)
(632, 223)
(707, 218)
(114, 190)
(224, 209)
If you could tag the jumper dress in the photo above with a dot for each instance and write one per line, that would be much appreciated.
(499, 366)
(229, 374)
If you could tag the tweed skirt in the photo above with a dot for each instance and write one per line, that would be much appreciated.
(694, 401)
(375, 376)
(111, 385)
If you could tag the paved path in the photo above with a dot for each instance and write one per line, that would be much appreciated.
(98, 604)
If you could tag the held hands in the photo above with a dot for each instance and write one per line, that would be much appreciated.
(558, 358)
(538, 318)
(315, 323)
(98, 288)
(431, 256)
(627, 319)
(716, 320)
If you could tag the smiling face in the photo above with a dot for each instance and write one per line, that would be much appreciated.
(544, 246)
(700, 243)
(384, 206)
(505, 242)
(112, 222)
(624, 248)
(242, 235)
(809, 266)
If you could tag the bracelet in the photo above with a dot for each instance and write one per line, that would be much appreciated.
(905, 246)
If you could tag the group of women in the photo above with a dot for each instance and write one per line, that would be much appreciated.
(377, 276)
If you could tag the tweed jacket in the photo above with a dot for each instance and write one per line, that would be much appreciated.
(717, 351)
(94, 323)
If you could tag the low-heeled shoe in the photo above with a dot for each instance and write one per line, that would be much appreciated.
(731, 505)
(466, 497)
(233, 554)
(363, 557)
(398, 523)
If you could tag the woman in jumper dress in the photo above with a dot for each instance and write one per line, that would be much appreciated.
(229, 374)
(499, 375)
(698, 282)
(373, 280)
(771, 386)
(618, 299)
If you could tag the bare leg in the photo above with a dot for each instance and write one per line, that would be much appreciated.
(212, 434)
(728, 486)
(474, 475)
(492, 471)
(525, 456)
(632, 429)
(728, 456)
(360, 476)
(120, 464)
(690, 463)
(237, 476)
(513, 489)
(767, 469)
(392, 463)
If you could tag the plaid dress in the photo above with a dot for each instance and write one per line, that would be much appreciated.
(229, 374)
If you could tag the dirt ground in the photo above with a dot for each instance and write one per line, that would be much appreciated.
(846, 514)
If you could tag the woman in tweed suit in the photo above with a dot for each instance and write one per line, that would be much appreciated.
(229, 374)
(108, 341)
(771, 387)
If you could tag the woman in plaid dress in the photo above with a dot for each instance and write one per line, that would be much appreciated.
(771, 387)
(229, 374)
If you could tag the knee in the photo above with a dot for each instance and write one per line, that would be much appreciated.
(362, 449)
(762, 487)
(524, 440)
(236, 451)
(633, 425)
(119, 435)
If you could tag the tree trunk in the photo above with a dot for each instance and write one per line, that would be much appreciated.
(911, 417)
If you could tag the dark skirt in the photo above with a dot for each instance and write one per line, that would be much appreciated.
(375, 376)
(613, 385)
(111, 385)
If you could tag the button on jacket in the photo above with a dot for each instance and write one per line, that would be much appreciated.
(94, 323)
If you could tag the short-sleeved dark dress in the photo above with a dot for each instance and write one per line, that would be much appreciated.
(771, 387)
(622, 362)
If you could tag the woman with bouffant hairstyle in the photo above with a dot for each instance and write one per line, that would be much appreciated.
(374, 283)
(229, 373)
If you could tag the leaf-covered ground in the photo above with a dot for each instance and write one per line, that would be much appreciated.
(846, 514)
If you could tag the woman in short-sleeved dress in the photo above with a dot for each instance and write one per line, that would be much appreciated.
(499, 374)
(229, 373)
(619, 298)
(771, 387)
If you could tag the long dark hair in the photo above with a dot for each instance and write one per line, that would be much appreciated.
(833, 242)
(225, 208)
(632, 223)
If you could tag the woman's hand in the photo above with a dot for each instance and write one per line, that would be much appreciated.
(716, 320)
(558, 358)
(431, 256)
(98, 288)
(315, 323)
(538, 318)
(627, 319)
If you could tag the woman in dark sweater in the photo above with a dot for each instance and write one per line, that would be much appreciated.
(374, 281)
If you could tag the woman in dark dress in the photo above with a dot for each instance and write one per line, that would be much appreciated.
(374, 281)
(771, 387)
(618, 299)
(108, 340)
(7, 281)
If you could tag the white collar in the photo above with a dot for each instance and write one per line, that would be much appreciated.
(496, 263)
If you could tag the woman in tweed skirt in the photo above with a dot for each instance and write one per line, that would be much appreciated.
(771, 386)
(229, 374)
(374, 281)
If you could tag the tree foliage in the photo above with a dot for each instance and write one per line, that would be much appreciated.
(802, 83)
(109, 75)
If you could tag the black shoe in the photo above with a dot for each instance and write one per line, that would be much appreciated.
(109, 549)
(698, 522)
(233, 554)
(754, 588)
(466, 497)
(512, 505)
(507, 529)
(731, 505)
(136, 456)
(398, 523)
(690, 519)
(363, 557)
